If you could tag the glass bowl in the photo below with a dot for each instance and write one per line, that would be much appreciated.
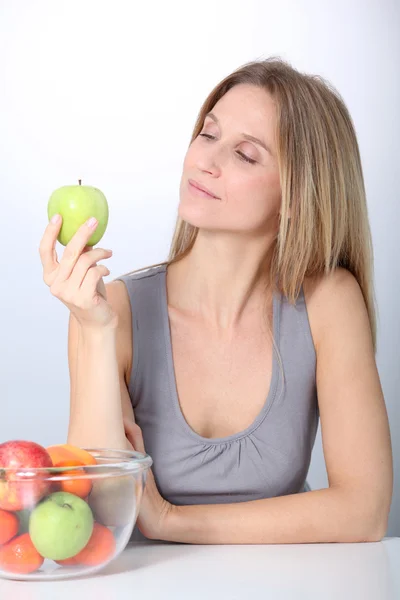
(73, 520)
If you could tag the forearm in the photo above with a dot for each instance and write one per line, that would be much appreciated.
(96, 418)
(327, 515)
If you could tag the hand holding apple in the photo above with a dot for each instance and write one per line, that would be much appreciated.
(77, 280)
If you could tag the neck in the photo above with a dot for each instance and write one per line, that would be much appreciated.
(222, 277)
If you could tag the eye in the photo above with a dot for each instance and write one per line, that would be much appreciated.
(242, 156)
(246, 158)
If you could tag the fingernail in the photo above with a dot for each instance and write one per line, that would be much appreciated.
(92, 222)
(55, 219)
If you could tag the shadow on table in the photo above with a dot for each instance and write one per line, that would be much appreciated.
(139, 555)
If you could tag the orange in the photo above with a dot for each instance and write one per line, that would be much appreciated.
(66, 455)
(100, 548)
(80, 487)
(20, 555)
(64, 452)
(81, 454)
(9, 525)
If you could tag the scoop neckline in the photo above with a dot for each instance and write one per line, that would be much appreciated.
(173, 388)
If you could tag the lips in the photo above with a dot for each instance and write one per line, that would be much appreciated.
(202, 188)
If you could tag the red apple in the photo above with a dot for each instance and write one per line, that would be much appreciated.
(18, 491)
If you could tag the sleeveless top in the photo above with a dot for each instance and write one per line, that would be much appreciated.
(269, 458)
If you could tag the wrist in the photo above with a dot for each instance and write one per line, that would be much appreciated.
(90, 332)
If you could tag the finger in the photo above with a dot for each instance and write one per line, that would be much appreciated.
(134, 435)
(88, 288)
(47, 250)
(75, 247)
(101, 288)
(139, 440)
(85, 262)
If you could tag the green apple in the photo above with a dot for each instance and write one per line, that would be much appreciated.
(61, 525)
(76, 204)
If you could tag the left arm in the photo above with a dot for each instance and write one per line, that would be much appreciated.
(356, 444)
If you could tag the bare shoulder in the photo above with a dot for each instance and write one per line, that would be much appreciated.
(334, 303)
(118, 297)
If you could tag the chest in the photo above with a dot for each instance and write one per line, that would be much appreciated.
(222, 379)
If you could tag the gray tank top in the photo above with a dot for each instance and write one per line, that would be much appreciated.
(269, 458)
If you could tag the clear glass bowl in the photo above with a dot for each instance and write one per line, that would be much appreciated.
(75, 519)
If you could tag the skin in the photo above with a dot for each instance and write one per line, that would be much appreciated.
(216, 300)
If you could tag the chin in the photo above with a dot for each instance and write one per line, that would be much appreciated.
(196, 216)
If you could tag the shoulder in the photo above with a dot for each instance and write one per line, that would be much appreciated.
(335, 303)
(337, 286)
(119, 291)
(139, 276)
(118, 297)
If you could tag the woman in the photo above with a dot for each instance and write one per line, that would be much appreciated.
(261, 321)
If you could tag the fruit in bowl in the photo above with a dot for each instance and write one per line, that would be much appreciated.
(99, 549)
(62, 453)
(19, 556)
(9, 526)
(71, 533)
(17, 492)
(66, 455)
(60, 526)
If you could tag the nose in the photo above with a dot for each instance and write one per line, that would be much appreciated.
(210, 160)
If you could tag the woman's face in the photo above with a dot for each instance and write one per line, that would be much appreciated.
(240, 172)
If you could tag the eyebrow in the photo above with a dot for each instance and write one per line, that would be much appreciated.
(246, 136)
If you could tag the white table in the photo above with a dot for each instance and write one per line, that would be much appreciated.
(153, 571)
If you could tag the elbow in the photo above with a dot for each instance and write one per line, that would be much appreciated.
(372, 533)
(377, 519)
(366, 519)
(364, 530)
(377, 526)
(371, 525)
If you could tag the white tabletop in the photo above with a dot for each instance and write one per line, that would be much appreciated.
(155, 571)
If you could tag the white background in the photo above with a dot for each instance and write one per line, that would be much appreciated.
(109, 92)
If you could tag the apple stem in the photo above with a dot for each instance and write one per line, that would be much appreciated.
(66, 504)
(80, 181)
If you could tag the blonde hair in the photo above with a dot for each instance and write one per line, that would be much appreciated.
(324, 219)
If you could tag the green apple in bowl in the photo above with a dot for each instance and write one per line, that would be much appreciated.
(60, 526)
(76, 204)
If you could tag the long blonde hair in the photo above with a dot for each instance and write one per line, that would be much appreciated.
(321, 181)
(324, 219)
